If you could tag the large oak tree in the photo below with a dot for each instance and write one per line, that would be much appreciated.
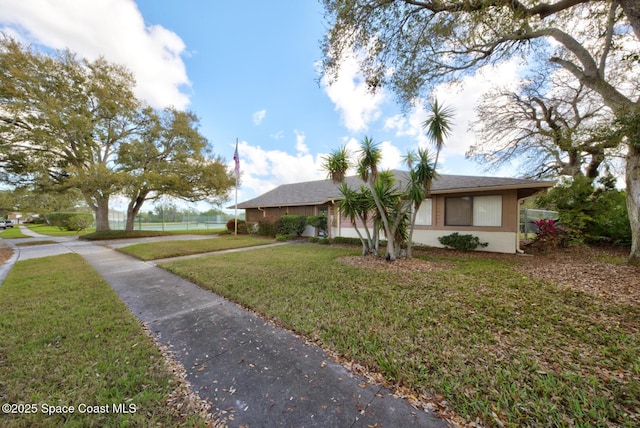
(70, 123)
(412, 45)
(170, 158)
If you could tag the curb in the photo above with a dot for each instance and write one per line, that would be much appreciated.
(6, 267)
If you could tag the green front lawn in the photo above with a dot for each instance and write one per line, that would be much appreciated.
(13, 232)
(66, 339)
(44, 229)
(491, 342)
(160, 250)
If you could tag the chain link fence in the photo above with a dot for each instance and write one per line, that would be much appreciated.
(528, 217)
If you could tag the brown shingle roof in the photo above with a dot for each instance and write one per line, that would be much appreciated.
(321, 191)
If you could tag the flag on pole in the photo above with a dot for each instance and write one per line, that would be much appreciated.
(236, 159)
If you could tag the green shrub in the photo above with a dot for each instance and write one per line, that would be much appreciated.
(319, 222)
(292, 225)
(347, 241)
(592, 213)
(71, 221)
(282, 238)
(242, 226)
(267, 228)
(462, 242)
(79, 222)
(313, 239)
(121, 234)
(324, 241)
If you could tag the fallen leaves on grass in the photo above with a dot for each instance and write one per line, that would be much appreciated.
(399, 266)
(580, 269)
(5, 254)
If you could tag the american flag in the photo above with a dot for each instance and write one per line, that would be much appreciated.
(236, 158)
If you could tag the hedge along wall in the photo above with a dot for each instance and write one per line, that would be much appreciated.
(292, 225)
(70, 221)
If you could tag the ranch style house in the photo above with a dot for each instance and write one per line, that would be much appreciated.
(486, 207)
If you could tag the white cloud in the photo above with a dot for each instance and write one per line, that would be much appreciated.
(357, 105)
(277, 135)
(391, 156)
(462, 98)
(301, 147)
(114, 29)
(259, 116)
(411, 125)
(263, 170)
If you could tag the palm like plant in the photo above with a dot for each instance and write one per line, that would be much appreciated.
(356, 206)
(419, 186)
(336, 164)
(391, 206)
(438, 126)
(370, 156)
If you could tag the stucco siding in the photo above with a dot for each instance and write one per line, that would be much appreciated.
(499, 242)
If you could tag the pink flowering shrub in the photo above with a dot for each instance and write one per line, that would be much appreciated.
(550, 235)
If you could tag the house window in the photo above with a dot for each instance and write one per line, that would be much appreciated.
(474, 211)
(423, 217)
(487, 210)
(458, 211)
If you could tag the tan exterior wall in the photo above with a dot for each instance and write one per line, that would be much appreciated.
(254, 215)
(510, 210)
(501, 239)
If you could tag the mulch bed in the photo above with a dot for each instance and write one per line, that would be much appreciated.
(5, 254)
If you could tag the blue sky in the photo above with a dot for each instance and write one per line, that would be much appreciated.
(249, 71)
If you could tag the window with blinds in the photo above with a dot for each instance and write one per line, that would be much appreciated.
(487, 210)
(474, 211)
(423, 217)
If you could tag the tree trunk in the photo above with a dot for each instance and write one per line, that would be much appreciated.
(412, 226)
(132, 211)
(632, 176)
(131, 220)
(371, 247)
(101, 209)
(365, 244)
(391, 252)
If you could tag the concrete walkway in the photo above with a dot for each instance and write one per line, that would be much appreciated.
(254, 373)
